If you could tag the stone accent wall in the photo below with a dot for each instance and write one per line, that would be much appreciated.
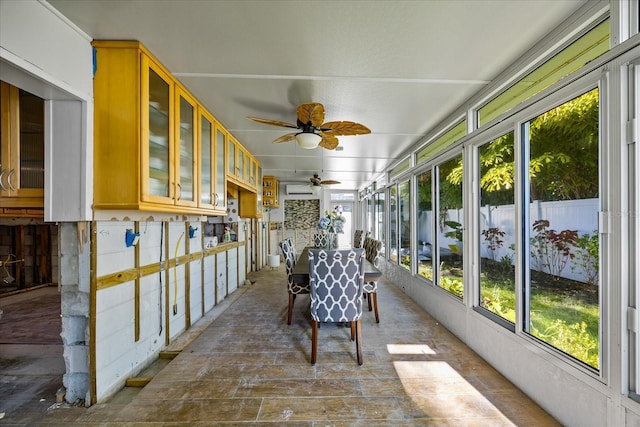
(300, 220)
(301, 214)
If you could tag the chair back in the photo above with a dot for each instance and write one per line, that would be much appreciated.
(336, 280)
(320, 240)
(289, 255)
(372, 250)
(358, 237)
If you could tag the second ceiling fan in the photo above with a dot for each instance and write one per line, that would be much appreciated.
(313, 132)
(316, 181)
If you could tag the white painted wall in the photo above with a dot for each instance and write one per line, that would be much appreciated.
(209, 280)
(221, 278)
(43, 53)
(118, 355)
(35, 38)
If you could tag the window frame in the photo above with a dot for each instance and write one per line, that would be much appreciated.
(474, 240)
(557, 98)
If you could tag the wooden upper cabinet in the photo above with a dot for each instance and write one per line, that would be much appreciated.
(156, 148)
(22, 125)
(240, 165)
(270, 192)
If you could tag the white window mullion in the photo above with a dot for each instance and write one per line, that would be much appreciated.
(633, 317)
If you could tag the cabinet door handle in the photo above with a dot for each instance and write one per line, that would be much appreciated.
(11, 187)
(179, 192)
(2, 171)
(215, 197)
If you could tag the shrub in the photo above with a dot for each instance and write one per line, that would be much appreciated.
(550, 250)
(587, 256)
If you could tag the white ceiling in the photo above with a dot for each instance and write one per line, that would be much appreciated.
(398, 67)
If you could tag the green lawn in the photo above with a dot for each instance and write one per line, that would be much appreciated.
(564, 313)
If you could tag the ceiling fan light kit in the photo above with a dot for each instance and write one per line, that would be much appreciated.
(308, 140)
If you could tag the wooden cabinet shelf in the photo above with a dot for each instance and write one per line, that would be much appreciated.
(270, 192)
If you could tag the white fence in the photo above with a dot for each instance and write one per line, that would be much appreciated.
(580, 215)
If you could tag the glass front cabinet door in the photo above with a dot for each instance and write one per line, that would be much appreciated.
(220, 195)
(212, 159)
(157, 153)
(186, 177)
(231, 157)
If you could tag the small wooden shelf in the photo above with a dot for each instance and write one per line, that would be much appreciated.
(270, 192)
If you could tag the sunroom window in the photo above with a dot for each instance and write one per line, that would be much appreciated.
(496, 231)
(562, 289)
(450, 226)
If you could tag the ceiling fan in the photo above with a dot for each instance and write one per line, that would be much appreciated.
(312, 131)
(316, 181)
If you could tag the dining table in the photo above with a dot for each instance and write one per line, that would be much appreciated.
(301, 269)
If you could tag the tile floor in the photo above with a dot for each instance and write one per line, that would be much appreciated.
(248, 367)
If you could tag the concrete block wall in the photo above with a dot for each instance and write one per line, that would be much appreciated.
(74, 281)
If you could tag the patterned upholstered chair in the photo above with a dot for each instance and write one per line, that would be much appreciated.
(358, 237)
(293, 289)
(336, 279)
(372, 250)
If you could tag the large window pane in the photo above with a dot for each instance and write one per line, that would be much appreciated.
(424, 221)
(450, 225)
(405, 224)
(563, 245)
(380, 221)
(497, 232)
(393, 225)
(370, 223)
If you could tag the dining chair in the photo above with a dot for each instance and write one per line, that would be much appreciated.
(372, 250)
(358, 237)
(292, 288)
(336, 281)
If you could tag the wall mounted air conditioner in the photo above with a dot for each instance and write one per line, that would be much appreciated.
(299, 189)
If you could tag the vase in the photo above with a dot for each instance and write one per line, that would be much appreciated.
(332, 242)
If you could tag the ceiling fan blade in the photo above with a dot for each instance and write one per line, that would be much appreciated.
(330, 182)
(315, 180)
(273, 122)
(345, 128)
(311, 112)
(285, 138)
(328, 141)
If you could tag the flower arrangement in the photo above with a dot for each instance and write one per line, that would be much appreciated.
(332, 222)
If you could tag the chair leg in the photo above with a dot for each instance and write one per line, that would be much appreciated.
(369, 300)
(359, 341)
(374, 296)
(292, 298)
(314, 341)
(353, 330)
